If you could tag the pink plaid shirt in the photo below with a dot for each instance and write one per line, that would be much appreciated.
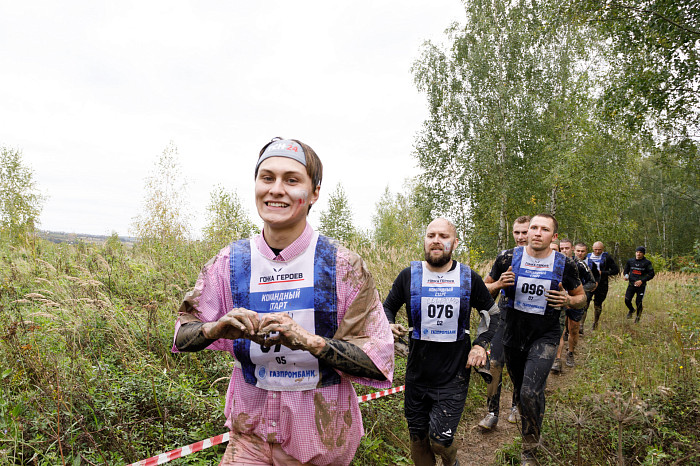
(320, 426)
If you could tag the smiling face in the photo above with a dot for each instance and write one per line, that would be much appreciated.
(541, 233)
(283, 191)
(439, 242)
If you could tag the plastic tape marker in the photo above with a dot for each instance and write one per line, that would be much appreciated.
(223, 438)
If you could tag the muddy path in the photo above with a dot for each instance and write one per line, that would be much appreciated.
(479, 448)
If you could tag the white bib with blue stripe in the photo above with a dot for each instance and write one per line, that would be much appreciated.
(284, 287)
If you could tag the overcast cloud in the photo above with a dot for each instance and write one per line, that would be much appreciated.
(92, 92)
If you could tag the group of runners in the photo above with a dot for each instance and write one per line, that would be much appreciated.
(303, 319)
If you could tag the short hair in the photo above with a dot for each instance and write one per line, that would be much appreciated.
(522, 219)
(581, 244)
(551, 217)
(314, 167)
(565, 240)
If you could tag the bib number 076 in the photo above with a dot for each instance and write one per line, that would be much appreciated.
(436, 310)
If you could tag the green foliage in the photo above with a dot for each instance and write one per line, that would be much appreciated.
(20, 203)
(164, 219)
(513, 129)
(398, 222)
(634, 393)
(653, 57)
(227, 219)
(336, 220)
(86, 372)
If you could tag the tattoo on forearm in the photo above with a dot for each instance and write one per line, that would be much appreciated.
(190, 337)
(350, 359)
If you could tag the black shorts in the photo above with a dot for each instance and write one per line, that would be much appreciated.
(575, 314)
(436, 410)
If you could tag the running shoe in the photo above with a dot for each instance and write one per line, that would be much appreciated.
(636, 320)
(556, 367)
(514, 415)
(570, 359)
(630, 314)
(489, 422)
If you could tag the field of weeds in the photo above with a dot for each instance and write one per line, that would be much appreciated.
(87, 375)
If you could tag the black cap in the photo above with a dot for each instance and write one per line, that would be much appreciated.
(641, 249)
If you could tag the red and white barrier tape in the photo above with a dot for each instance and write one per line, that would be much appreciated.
(223, 438)
(375, 395)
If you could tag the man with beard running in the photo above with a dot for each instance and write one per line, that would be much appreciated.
(606, 266)
(539, 283)
(638, 272)
(498, 359)
(581, 252)
(570, 319)
(439, 294)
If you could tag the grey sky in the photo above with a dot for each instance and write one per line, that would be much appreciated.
(92, 93)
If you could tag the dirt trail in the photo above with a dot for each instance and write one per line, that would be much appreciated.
(479, 448)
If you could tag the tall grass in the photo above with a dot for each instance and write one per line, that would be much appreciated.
(87, 376)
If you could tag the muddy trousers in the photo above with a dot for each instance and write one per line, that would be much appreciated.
(528, 371)
(497, 361)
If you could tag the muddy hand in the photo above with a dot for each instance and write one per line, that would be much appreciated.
(477, 357)
(237, 323)
(558, 298)
(288, 333)
(507, 278)
(398, 330)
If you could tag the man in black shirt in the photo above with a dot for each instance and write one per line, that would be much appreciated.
(638, 272)
(538, 283)
(581, 252)
(439, 294)
(571, 318)
(606, 266)
(497, 359)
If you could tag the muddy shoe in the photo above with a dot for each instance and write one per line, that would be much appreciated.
(556, 367)
(636, 319)
(630, 314)
(570, 359)
(488, 422)
(514, 415)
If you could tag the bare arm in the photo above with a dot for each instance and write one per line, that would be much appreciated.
(574, 299)
(506, 279)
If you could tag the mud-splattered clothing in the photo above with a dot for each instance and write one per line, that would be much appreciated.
(436, 373)
(322, 425)
(530, 346)
(435, 363)
(523, 328)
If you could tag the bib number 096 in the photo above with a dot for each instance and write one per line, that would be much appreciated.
(436, 310)
(531, 288)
